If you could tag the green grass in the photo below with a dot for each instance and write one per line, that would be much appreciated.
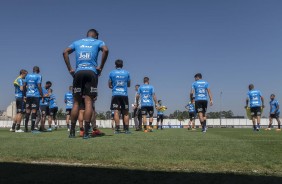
(239, 151)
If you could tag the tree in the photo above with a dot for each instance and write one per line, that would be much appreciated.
(60, 114)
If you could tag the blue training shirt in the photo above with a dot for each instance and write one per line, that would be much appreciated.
(18, 92)
(146, 93)
(46, 99)
(191, 108)
(201, 90)
(273, 106)
(255, 98)
(87, 51)
(53, 101)
(119, 79)
(32, 81)
(69, 100)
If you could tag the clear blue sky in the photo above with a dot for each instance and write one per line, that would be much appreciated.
(231, 42)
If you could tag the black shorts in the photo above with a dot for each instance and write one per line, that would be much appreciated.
(255, 111)
(275, 115)
(44, 110)
(53, 112)
(20, 105)
(147, 110)
(32, 103)
(85, 83)
(201, 106)
(160, 117)
(119, 103)
(192, 116)
(68, 111)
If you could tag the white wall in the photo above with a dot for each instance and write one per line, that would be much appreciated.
(173, 123)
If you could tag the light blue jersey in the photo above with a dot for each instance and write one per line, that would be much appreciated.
(146, 93)
(191, 108)
(119, 79)
(87, 51)
(19, 83)
(273, 106)
(255, 98)
(32, 82)
(46, 99)
(160, 113)
(201, 90)
(53, 101)
(69, 100)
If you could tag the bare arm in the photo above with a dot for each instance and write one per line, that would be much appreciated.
(137, 100)
(105, 54)
(128, 84)
(247, 102)
(155, 100)
(66, 54)
(40, 90)
(262, 100)
(110, 84)
(191, 94)
(210, 96)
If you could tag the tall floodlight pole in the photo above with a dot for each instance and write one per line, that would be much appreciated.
(220, 112)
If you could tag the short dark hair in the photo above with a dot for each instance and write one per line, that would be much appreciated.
(137, 85)
(198, 75)
(49, 82)
(159, 101)
(36, 69)
(251, 86)
(93, 31)
(146, 79)
(272, 95)
(22, 71)
(119, 63)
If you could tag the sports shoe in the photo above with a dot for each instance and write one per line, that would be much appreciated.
(97, 132)
(145, 130)
(127, 132)
(68, 129)
(81, 133)
(19, 131)
(86, 136)
(49, 130)
(35, 132)
(12, 130)
(257, 129)
(56, 127)
(117, 132)
(268, 129)
(278, 129)
(35, 128)
(193, 129)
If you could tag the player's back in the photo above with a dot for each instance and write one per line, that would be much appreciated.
(255, 98)
(53, 101)
(146, 93)
(87, 51)
(119, 78)
(69, 100)
(200, 87)
(32, 81)
(18, 83)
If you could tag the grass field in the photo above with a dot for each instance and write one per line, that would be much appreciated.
(220, 155)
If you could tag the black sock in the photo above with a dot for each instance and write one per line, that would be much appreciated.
(86, 128)
(205, 123)
(145, 127)
(279, 126)
(72, 130)
(117, 127)
(14, 126)
(26, 120)
(50, 126)
(18, 126)
(269, 126)
(126, 127)
(81, 129)
(151, 124)
(33, 119)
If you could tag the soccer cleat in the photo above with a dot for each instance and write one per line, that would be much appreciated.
(71, 136)
(268, 129)
(35, 132)
(12, 130)
(127, 132)
(145, 130)
(117, 132)
(278, 129)
(81, 133)
(97, 132)
(56, 127)
(68, 129)
(19, 131)
(49, 130)
(86, 136)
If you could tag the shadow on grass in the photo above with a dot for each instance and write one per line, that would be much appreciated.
(36, 173)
